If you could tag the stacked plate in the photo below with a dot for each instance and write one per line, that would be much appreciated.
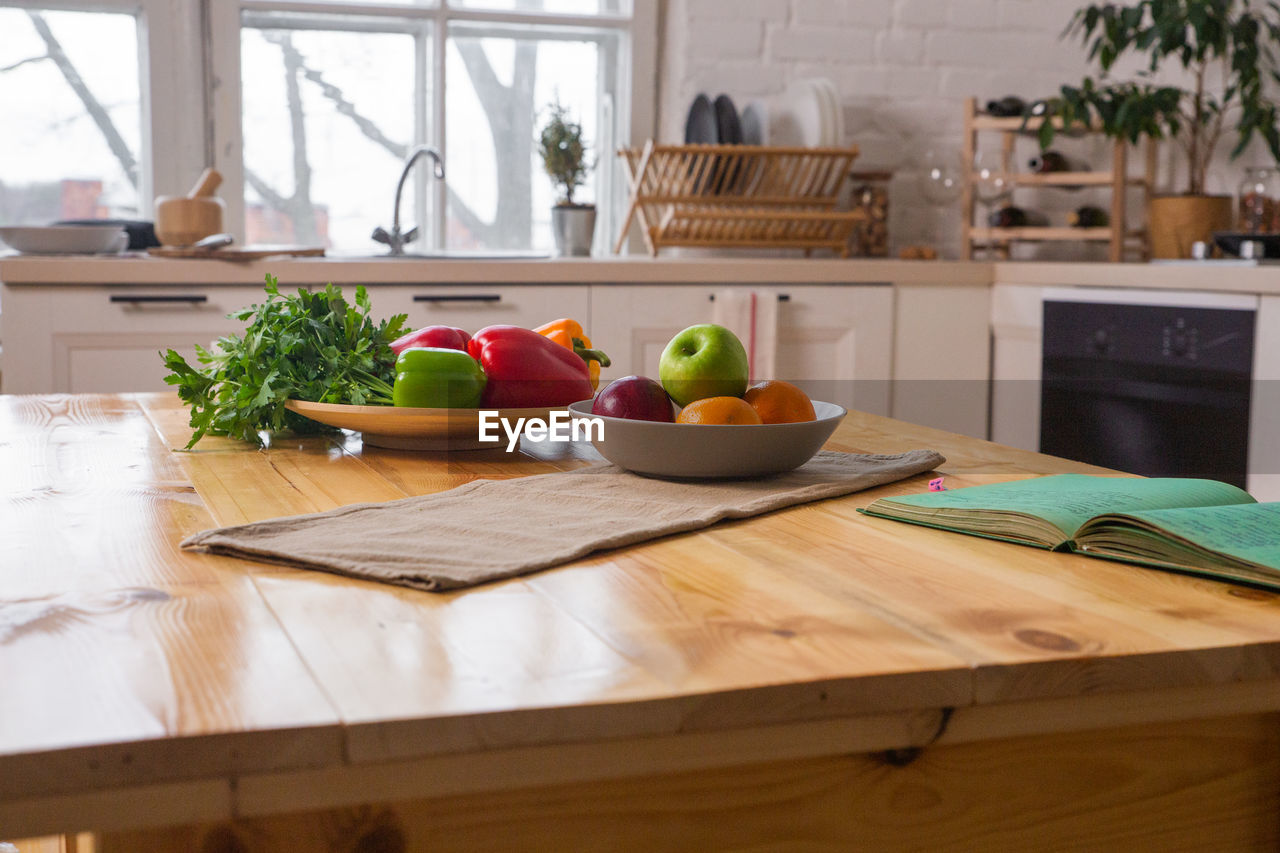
(807, 114)
(712, 123)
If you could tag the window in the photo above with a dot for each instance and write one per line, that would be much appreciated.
(70, 94)
(335, 95)
(309, 108)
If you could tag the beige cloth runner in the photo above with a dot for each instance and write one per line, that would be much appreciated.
(491, 529)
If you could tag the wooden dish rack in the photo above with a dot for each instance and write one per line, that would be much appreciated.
(739, 196)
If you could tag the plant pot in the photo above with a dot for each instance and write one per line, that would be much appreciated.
(573, 227)
(1174, 222)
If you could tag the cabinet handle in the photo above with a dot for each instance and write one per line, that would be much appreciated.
(782, 297)
(131, 299)
(458, 297)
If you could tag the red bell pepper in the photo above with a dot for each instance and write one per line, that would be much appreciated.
(446, 337)
(527, 370)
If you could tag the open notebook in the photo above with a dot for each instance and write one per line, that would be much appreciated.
(1198, 526)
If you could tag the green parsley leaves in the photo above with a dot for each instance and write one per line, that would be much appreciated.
(313, 346)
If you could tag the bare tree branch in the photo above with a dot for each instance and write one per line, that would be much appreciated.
(22, 62)
(301, 209)
(341, 103)
(273, 199)
(101, 118)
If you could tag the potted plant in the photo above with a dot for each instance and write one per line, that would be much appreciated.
(1223, 47)
(564, 157)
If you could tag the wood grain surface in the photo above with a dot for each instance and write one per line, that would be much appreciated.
(207, 687)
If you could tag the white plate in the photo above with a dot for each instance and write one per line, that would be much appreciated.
(699, 451)
(796, 118)
(755, 123)
(824, 112)
(409, 428)
(65, 239)
(831, 101)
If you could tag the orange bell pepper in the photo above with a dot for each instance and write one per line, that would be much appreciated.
(568, 333)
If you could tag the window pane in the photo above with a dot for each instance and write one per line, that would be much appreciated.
(499, 88)
(328, 120)
(427, 3)
(71, 127)
(561, 7)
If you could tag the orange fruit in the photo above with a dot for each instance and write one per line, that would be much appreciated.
(778, 402)
(718, 410)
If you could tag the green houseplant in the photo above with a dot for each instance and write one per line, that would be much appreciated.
(1223, 50)
(564, 158)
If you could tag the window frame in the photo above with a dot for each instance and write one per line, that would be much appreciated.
(637, 60)
(175, 135)
(189, 69)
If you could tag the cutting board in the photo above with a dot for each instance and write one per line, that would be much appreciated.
(236, 253)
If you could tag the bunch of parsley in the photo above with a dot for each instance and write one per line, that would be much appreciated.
(313, 346)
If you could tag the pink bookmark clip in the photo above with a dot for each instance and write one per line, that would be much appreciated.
(936, 485)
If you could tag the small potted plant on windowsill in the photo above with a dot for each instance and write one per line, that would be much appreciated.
(564, 157)
(1225, 48)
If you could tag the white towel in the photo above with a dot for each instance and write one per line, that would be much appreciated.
(753, 317)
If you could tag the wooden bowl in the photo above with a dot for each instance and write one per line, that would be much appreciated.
(181, 221)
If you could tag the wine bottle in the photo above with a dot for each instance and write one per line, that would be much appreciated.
(1088, 217)
(1015, 217)
(1009, 105)
(1052, 161)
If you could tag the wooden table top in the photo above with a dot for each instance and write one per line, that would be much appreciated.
(128, 664)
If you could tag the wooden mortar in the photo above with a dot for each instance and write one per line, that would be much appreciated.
(182, 220)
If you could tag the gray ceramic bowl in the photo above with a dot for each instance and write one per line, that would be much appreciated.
(65, 239)
(695, 451)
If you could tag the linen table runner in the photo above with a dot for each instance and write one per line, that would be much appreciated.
(492, 529)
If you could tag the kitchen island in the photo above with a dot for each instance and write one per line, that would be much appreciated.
(809, 679)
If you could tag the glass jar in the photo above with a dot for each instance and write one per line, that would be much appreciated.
(1259, 201)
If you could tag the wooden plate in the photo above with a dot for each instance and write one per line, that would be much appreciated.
(404, 428)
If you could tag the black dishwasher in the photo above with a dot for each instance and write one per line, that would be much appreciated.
(1157, 390)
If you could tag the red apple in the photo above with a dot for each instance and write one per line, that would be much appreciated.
(636, 398)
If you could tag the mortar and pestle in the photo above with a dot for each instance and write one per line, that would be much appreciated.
(184, 220)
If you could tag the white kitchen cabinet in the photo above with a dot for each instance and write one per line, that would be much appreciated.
(474, 306)
(108, 338)
(833, 341)
(942, 356)
(1016, 328)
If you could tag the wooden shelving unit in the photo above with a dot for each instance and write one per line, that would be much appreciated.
(739, 196)
(1119, 237)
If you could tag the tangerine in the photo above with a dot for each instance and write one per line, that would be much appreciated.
(718, 410)
(779, 402)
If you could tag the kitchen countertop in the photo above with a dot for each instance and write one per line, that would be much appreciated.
(20, 270)
(135, 270)
(862, 680)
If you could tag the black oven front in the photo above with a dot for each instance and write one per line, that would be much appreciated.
(1152, 389)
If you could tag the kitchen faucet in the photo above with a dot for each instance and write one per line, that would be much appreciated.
(395, 240)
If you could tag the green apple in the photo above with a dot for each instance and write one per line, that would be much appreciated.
(704, 361)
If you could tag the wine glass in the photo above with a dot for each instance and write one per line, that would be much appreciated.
(942, 177)
(991, 184)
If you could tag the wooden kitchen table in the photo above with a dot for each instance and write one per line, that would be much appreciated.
(811, 679)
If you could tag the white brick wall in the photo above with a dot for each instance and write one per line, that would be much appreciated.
(903, 69)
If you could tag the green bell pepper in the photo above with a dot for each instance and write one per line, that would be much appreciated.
(437, 378)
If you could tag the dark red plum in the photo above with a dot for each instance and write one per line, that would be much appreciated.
(636, 398)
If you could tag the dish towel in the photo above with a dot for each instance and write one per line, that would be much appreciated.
(753, 317)
(491, 529)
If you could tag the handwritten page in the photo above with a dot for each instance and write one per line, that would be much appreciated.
(1069, 500)
(1249, 532)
